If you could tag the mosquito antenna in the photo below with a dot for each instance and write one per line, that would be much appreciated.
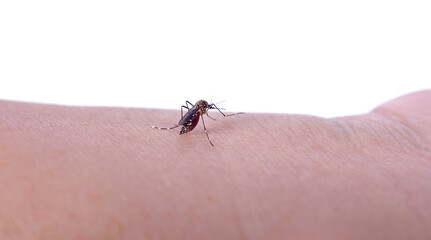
(219, 102)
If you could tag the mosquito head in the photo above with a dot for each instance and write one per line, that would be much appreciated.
(203, 106)
(202, 103)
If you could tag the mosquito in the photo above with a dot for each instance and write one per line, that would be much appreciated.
(191, 118)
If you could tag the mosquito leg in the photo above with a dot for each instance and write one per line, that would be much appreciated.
(225, 115)
(205, 129)
(165, 128)
(186, 107)
(187, 102)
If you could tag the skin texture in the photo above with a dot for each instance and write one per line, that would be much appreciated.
(103, 173)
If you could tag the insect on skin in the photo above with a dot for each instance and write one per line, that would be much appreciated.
(191, 118)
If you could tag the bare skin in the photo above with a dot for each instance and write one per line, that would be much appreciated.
(103, 173)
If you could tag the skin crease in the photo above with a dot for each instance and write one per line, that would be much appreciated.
(103, 173)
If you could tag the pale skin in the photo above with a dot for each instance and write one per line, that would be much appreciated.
(103, 173)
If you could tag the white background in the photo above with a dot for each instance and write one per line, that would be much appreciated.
(326, 58)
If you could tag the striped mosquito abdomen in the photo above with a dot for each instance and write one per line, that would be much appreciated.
(190, 123)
